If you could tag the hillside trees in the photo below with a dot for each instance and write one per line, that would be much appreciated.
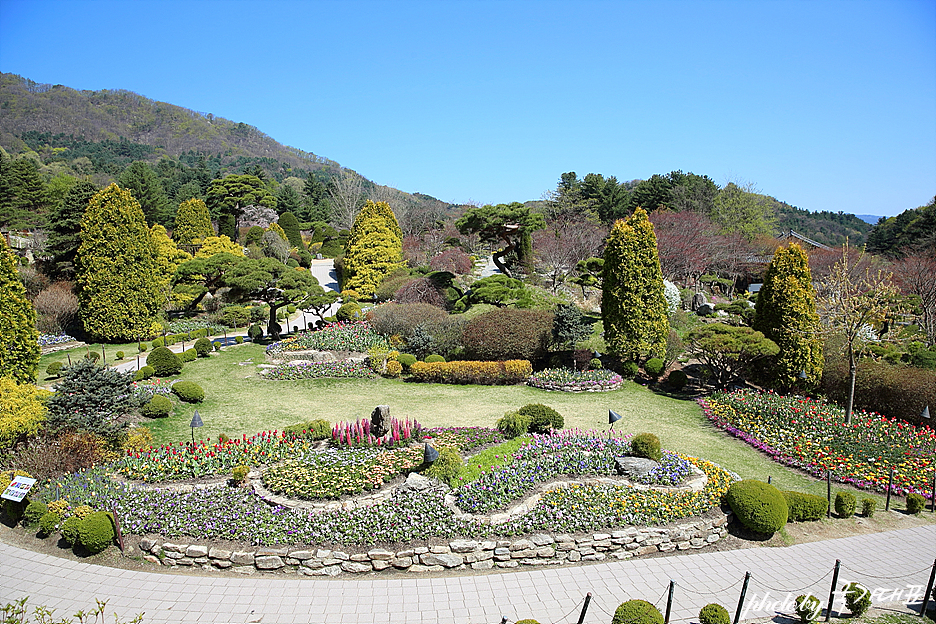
(346, 193)
(374, 249)
(316, 196)
(19, 346)
(562, 244)
(140, 179)
(911, 230)
(507, 223)
(633, 307)
(192, 222)
(785, 312)
(288, 200)
(118, 297)
(65, 227)
(741, 209)
(916, 274)
(22, 193)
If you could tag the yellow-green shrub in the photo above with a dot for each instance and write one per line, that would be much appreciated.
(22, 411)
(468, 372)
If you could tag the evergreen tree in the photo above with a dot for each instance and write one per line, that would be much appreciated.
(19, 340)
(23, 200)
(290, 226)
(117, 295)
(227, 226)
(168, 258)
(288, 200)
(65, 227)
(192, 222)
(785, 312)
(374, 249)
(633, 307)
(140, 179)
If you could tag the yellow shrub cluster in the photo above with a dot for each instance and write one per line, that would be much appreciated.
(22, 411)
(484, 373)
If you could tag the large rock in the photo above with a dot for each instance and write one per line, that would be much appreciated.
(446, 560)
(380, 421)
(634, 467)
(705, 309)
(698, 299)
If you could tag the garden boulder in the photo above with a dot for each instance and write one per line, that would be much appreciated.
(634, 467)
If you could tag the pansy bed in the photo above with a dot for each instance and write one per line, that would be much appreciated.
(571, 380)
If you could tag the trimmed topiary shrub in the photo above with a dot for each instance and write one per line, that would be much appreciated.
(203, 347)
(70, 530)
(188, 391)
(637, 612)
(542, 418)
(857, 598)
(654, 367)
(254, 332)
(189, 355)
(165, 363)
(513, 424)
(96, 532)
(595, 364)
(868, 506)
(915, 503)
(238, 340)
(142, 347)
(119, 355)
(216, 345)
(508, 334)
(158, 407)
(629, 370)
(646, 445)
(804, 507)
(33, 512)
(145, 372)
(406, 360)
(446, 468)
(48, 523)
(54, 369)
(349, 311)
(159, 342)
(239, 474)
(757, 505)
(677, 379)
(845, 504)
(434, 357)
(807, 607)
(714, 613)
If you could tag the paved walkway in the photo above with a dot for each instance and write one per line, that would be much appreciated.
(884, 562)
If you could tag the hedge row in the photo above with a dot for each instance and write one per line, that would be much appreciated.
(894, 391)
(466, 372)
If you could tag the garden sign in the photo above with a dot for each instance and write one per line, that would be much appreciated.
(18, 489)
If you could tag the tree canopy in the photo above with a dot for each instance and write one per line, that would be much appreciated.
(374, 248)
(504, 222)
(231, 194)
(192, 222)
(19, 346)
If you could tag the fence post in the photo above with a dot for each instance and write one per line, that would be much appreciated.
(928, 591)
(828, 613)
(669, 601)
(120, 541)
(829, 493)
(933, 494)
(769, 479)
(890, 484)
(584, 608)
(747, 578)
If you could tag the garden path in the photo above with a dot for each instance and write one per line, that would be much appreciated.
(885, 562)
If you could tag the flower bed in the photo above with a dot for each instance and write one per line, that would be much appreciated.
(188, 326)
(47, 340)
(812, 436)
(346, 336)
(570, 380)
(145, 390)
(318, 370)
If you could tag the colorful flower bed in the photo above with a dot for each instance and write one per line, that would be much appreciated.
(145, 390)
(318, 370)
(187, 326)
(359, 433)
(812, 436)
(346, 336)
(571, 380)
(47, 340)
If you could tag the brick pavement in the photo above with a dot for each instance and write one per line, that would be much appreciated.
(884, 561)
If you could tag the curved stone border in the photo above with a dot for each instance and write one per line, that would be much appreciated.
(314, 355)
(558, 387)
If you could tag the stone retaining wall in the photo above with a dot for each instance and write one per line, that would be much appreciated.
(535, 550)
(558, 387)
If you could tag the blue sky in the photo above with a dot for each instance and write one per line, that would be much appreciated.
(827, 105)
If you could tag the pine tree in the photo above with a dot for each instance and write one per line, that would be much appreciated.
(140, 179)
(19, 340)
(192, 222)
(785, 312)
(633, 307)
(374, 249)
(118, 296)
(65, 227)
(290, 225)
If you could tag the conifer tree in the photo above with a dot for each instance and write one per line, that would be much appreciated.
(65, 227)
(785, 312)
(140, 179)
(633, 307)
(290, 225)
(192, 222)
(19, 340)
(118, 296)
(168, 258)
(374, 249)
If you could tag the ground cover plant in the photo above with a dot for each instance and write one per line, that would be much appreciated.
(812, 436)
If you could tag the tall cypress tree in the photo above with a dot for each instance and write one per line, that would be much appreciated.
(290, 225)
(633, 307)
(19, 340)
(192, 221)
(786, 313)
(118, 296)
(374, 249)
(65, 227)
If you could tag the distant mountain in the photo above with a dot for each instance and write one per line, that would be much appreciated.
(872, 219)
(829, 228)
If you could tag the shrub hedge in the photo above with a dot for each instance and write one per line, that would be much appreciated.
(509, 334)
(465, 372)
(804, 507)
(757, 505)
(892, 390)
(188, 391)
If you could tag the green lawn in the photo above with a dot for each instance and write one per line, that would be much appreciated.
(238, 401)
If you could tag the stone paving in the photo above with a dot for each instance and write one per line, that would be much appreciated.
(885, 562)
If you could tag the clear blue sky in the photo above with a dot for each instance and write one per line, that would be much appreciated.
(827, 105)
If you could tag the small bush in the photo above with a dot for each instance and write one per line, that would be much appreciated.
(637, 612)
(714, 613)
(70, 530)
(158, 407)
(54, 369)
(446, 468)
(406, 360)
(349, 311)
(94, 356)
(159, 342)
(119, 355)
(33, 512)
(165, 363)
(654, 367)
(394, 368)
(513, 424)
(188, 391)
(189, 355)
(542, 418)
(915, 503)
(238, 340)
(142, 347)
(434, 357)
(203, 347)
(12, 510)
(216, 345)
(857, 598)
(239, 474)
(96, 532)
(255, 332)
(868, 505)
(805, 507)
(677, 379)
(808, 608)
(595, 364)
(145, 372)
(646, 445)
(629, 370)
(845, 504)
(757, 505)
(48, 523)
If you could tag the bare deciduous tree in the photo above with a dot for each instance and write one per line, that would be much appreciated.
(562, 244)
(916, 275)
(347, 195)
(56, 306)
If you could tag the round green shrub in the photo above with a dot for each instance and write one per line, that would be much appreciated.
(48, 522)
(165, 363)
(513, 424)
(158, 407)
(654, 367)
(714, 613)
(807, 607)
(96, 531)
(54, 369)
(845, 504)
(216, 345)
(915, 503)
(868, 506)
(13, 510)
(70, 531)
(447, 467)
(595, 364)
(238, 340)
(542, 418)
(142, 347)
(255, 332)
(203, 347)
(677, 379)
(239, 473)
(189, 355)
(159, 342)
(757, 505)
(407, 360)
(145, 372)
(857, 598)
(33, 512)
(94, 356)
(637, 612)
(434, 357)
(349, 311)
(188, 391)
(803, 507)
(119, 355)
(646, 445)
(629, 370)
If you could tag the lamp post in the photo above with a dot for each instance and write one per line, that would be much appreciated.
(613, 417)
(196, 422)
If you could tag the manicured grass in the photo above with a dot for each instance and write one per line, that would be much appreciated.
(239, 402)
(110, 352)
(496, 456)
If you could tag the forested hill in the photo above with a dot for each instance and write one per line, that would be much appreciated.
(32, 109)
(830, 228)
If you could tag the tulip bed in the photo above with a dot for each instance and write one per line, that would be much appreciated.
(585, 380)
(346, 336)
(318, 370)
(812, 435)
